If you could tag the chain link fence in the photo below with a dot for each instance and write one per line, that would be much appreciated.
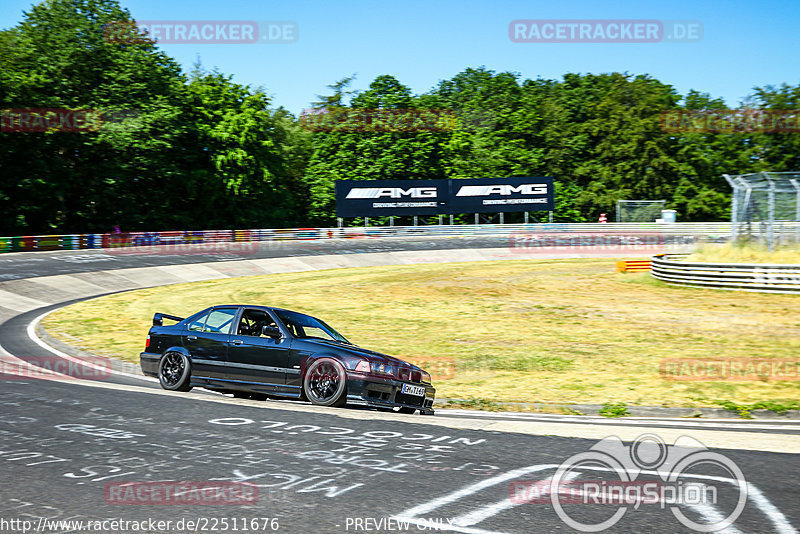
(639, 210)
(765, 207)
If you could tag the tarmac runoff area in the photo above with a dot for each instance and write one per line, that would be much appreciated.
(23, 303)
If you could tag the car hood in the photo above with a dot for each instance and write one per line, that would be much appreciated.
(369, 354)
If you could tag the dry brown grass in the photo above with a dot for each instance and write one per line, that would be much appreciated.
(555, 331)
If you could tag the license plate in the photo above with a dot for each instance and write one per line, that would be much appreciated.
(408, 389)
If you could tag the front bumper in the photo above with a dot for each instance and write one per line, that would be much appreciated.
(387, 393)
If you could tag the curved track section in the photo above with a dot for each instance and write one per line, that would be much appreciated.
(81, 450)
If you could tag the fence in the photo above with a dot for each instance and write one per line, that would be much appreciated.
(714, 231)
(762, 204)
(765, 278)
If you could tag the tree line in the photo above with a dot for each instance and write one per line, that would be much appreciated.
(194, 150)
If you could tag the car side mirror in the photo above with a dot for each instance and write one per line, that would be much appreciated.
(271, 331)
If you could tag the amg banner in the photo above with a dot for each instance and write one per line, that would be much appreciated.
(375, 198)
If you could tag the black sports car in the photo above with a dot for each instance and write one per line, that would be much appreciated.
(257, 351)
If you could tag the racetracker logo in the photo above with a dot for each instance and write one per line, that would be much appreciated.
(601, 243)
(380, 120)
(197, 493)
(761, 369)
(604, 31)
(165, 244)
(55, 368)
(731, 121)
(201, 32)
(51, 120)
(54, 120)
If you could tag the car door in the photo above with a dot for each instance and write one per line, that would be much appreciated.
(206, 338)
(254, 358)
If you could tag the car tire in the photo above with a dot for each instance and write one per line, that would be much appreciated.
(325, 383)
(175, 371)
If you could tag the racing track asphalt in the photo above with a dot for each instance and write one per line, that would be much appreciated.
(331, 470)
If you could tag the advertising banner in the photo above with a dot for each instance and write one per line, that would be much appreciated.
(375, 198)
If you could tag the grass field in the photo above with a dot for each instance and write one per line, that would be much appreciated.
(745, 253)
(551, 331)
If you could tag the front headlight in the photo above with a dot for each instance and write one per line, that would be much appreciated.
(382, 369)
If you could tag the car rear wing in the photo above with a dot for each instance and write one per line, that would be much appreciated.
(158, 318)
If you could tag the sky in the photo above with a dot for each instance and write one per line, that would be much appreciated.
(421, 42)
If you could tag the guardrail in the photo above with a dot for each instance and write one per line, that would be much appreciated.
(716, 231)
(764, 278)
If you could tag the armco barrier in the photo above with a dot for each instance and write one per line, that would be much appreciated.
(764, 278)
(708, 231)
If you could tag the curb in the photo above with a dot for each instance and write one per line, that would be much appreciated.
(661, 412)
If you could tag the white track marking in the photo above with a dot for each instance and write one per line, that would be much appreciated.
(782, 524)
(20, 363)
(413, 515)
(32, 335)
(426, 508)
(712, 515)
(755, 425)
(476, 516)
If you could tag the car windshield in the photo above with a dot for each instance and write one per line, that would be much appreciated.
(305, 326)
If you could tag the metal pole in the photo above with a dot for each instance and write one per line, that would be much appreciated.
(477, 222)
(502, 218)
(550, 217)
(440, 219)
(340, 221)
(391, 220)
(366, 222)
(771, 213)
(415, 220)
(526, 217)
(451, 219)
(734, 207)
(796, 186)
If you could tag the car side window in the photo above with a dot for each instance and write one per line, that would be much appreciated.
(253, 322)
(197, 324)
(220, 321)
